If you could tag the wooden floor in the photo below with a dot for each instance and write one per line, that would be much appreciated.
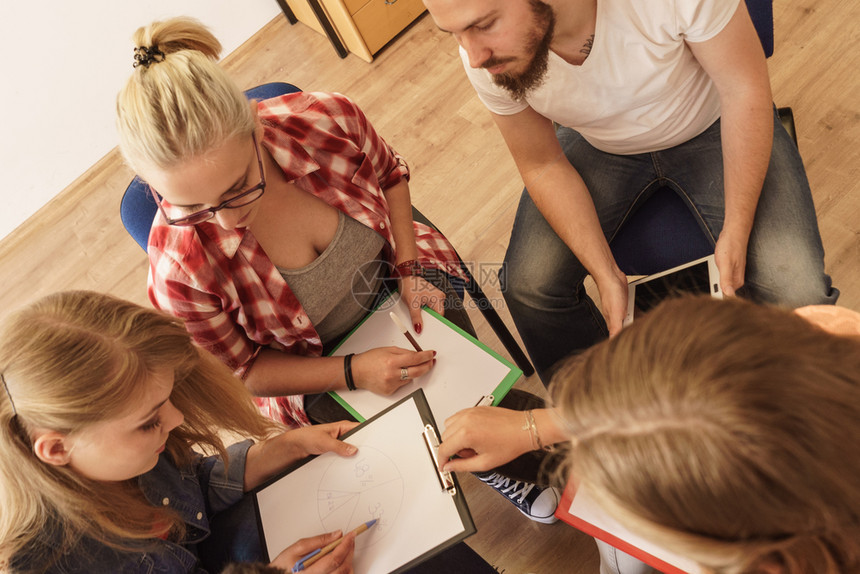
(417, 96)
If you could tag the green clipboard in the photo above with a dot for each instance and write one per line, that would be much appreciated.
(466, 370)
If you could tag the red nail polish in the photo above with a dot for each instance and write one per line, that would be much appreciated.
(418, 328)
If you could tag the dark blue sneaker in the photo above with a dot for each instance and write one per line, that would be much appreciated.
(536, 502)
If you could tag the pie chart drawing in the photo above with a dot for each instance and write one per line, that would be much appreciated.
(358, 489)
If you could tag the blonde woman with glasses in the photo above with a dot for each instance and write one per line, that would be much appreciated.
(280, 224)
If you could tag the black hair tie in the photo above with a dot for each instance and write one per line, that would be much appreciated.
(144, 56)
(347, 372)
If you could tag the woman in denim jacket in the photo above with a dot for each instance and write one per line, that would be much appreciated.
(102, 401)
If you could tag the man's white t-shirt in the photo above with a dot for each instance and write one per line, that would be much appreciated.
(640, 89)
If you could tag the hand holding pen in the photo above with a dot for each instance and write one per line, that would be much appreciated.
(402, 328)
(328, 553)
(338, 561)
(385, 369)
(314, 556)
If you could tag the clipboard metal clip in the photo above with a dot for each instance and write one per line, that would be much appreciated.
(431, 440)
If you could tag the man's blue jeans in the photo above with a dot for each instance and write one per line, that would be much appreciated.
(542, 280)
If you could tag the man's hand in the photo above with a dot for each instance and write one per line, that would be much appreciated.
(613, 299)
(730, 256)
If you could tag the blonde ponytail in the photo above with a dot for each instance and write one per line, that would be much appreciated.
(179, 103)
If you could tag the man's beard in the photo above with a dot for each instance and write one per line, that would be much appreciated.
(519, 85)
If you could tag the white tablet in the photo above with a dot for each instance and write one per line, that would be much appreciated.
(699, 276)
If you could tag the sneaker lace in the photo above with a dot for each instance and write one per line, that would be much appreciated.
(509, 487)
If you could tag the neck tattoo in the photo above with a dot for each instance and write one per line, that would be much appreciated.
(586, 48)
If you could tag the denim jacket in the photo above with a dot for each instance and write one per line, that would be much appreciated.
(197, 493)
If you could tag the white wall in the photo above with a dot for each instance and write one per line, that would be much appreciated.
(61, 64)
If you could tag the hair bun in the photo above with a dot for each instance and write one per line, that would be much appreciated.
(144, 56)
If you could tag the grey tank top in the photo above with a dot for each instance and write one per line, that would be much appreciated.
(339, 287)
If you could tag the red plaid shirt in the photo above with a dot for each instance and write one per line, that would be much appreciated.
(232, 298)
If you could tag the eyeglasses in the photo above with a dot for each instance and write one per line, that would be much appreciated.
(241, 200)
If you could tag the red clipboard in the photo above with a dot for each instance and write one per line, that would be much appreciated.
(602, 527)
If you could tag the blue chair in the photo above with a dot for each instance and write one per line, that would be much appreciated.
(138, 209)
(663, 232)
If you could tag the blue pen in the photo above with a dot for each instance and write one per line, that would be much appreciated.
(312, 557)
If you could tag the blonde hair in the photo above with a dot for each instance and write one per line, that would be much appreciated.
(725, 431)
(75, 358)
(182, 105)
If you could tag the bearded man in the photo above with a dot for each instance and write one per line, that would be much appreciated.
(645, 95)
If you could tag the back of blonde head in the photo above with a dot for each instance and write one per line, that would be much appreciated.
(182, 106)
(726, 431)
(76, 358)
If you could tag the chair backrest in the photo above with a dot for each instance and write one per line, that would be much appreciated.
(761, 13)
(138, 208)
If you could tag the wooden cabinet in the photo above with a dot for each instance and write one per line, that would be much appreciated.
(362, 26)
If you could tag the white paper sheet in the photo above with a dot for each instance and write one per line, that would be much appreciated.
(391, 478)
(464, 371)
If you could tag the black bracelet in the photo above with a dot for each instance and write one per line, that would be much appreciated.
(347, 372)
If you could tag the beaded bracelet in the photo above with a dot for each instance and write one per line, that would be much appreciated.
(347, 372)
(409, 268)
